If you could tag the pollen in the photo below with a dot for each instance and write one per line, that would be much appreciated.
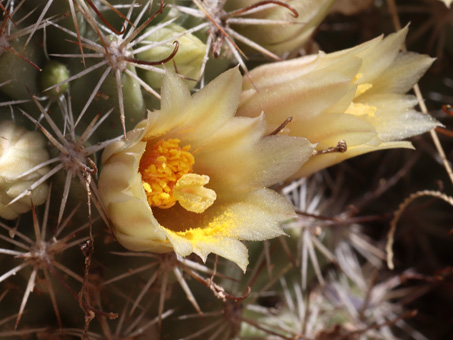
(161, 166)
(361, 88)
(360, 109)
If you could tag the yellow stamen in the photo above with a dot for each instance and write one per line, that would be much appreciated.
(167, 178)
(161, 166)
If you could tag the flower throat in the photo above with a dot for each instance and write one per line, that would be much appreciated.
(167, 177)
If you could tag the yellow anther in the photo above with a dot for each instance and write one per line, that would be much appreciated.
(359, 109)
(147, 187)
(362, 88)
(357, 77)
(167, 178)
(161, 166)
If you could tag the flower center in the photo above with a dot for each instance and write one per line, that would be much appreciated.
(167, 178)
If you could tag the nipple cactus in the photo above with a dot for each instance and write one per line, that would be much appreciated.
(143, 143)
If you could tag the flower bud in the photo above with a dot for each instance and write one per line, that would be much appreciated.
(20, 151)
(282, 37)
(53, 73)
(187, 61)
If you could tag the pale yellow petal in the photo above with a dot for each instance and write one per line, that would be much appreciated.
(404, 72)
(302, 98)
(278, 157)
(356, 51)
(135, 243)
(175, 95)
(212, 107)
(320, 162)
(262, 212)
(123, 196)
(278, 74)
(381, 56)
(395, 118)
(175, 102)
(228, 248)
(328, 129)
(255, 217)
(229, 147)
(251, 162)
(133, 138)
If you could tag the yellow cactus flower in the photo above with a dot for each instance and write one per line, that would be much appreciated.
(356, 95)
(193, 178)
(188, 61)
(20, 152)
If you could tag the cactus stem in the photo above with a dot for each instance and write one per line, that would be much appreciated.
(74, 157)
(40, 255)
(221, 35)
(117, 53)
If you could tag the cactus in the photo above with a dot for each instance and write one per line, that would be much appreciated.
(162, 172)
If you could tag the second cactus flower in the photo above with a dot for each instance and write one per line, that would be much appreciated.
(356, 95)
